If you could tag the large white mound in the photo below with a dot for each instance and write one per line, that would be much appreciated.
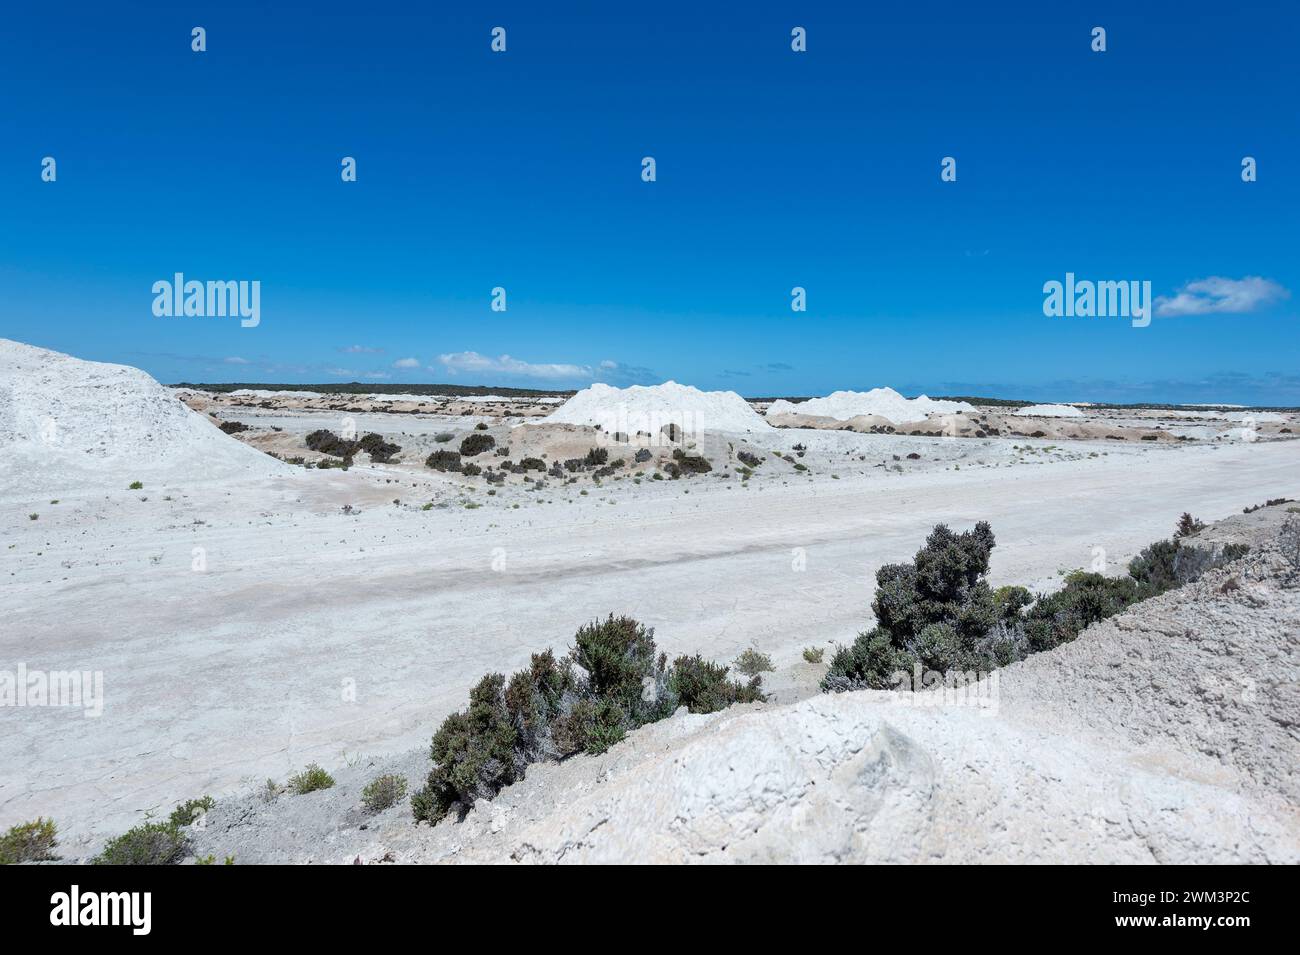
(647, 409)
(883, 402)
(1050, 411)
(64, 420)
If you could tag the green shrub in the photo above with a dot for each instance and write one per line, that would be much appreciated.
(752, 663)
(29, 842)
(612, 681)
(477, 443)
(382, 792)
(152, 843)
(380, 451)
(938, 614)
(1187, 526)
(690, 463)
(474, 753)
(703, 687)
(134, 486)
(188, 812)
(443, 461)
(814, 654)
(310, 780)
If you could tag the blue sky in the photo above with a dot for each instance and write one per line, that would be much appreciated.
(775, 169)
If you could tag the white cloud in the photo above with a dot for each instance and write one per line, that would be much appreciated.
(360, 350)
(1217, 295)
(236, 360)
(407, 363)
(473, 362)
(378, 375)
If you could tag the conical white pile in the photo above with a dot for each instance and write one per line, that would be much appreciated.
(648, 409)
(64, 421)
(884, 402)
(1051, 411)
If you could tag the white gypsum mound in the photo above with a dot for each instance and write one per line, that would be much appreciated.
(884, 402)
(648, 409)
(64, 421)
(1050, 411)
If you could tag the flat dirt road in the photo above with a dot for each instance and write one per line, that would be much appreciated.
(244, 631)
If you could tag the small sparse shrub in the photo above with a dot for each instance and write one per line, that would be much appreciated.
(233, 427)
(596, 457)
(134, 486)
(690, 463)
(481, 426)
(29, 842)
(703, 687)
(152, 843)
(310, 780)
(1187, 526)
(382, 792)
(443, 461)
(752, 663)
(749, 459)
(813, 654)
(189, 811)
(476, 444)
(471, 470)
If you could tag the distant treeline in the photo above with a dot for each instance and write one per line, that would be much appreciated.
(357, 388)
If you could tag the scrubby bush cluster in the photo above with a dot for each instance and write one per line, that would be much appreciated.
(151, 843)
(233, 427)
(938, 613)
(28, 842)
(612, 681)
(443, 461)
(382, 792)
(327, 442)
(310, 780)
(477, 443)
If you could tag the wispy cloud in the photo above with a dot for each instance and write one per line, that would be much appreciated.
(407, 363)
(236, 360)
(1217, 295)
(360, 350)
(471, 362)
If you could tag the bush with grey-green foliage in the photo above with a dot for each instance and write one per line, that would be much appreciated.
(188, 812)
(310, 780)
(29, 842)
(938, 614)
(151, 843)
(751, 662)
(383, 791)
(612, 681)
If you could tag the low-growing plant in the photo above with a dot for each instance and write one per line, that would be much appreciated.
(134, 486)
(382, 792)
(751, 662)
(477, 443)
(612, 681)
(29, 842)
(443, 437)
(151, 843)
(188, 812)
(814, 654)
(1187, 526)
(443, 461)
(310, 780)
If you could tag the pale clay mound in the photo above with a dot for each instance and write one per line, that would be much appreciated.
(67, 420)
(1050, 411)
(648, 409)
(883, 402)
